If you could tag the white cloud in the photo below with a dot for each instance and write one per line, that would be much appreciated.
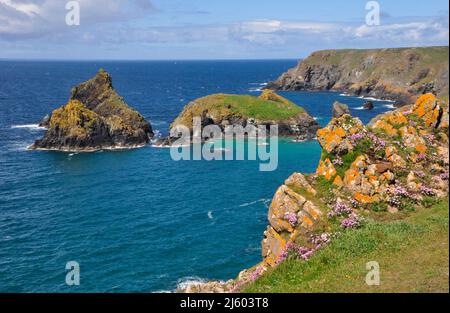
(36, 18)
(27, 8)
(115, 23)
(264, 32)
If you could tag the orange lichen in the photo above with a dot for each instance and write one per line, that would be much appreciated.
(386, 127)
(421, 148)
(396, 119)
(307, 221)
(326, 169)
(338, 181)
(330, 138)
(363, 198)
(428, 109)
(351, 175)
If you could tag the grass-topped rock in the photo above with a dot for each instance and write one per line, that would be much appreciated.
(95, 117)
(267, 109)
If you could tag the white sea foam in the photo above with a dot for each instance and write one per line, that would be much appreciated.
(374, 99)
(210, 215)
(169, 146)
(389, 106)
(29, 126)
(184, 283)
(19, 146)
(251, 203)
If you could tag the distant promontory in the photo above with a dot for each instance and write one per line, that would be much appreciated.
(399, 74)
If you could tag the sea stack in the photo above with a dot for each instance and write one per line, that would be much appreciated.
(95, 118)
(267, 109)
(340, 109)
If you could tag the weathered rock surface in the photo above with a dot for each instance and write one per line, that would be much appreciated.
(397, 141)
(290, 215)
(399, 74)
(95, 117)
(340, 109)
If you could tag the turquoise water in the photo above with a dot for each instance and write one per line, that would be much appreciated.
(135, 220)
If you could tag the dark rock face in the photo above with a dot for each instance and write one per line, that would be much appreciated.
(45, 121)
(340, 109)
(95, 117)
(368, 105)
(400, 74)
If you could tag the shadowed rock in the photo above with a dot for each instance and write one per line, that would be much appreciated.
(368, 105)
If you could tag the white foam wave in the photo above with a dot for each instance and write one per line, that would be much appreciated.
(210, 215)
(374, 99)
(251, 203)
(258, 84)
(358, 108)
(389, 106)
(184, 283)
(29, 126)
(19, 146)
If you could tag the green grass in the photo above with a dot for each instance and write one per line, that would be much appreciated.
(227, 105)
(261, 109)
(412, 254)
(380, 65)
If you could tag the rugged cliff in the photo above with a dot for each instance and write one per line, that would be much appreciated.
(399, 74)
(267, 109)
(396, 164)
(95, 117)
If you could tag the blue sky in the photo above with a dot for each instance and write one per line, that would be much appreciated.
(213, 29)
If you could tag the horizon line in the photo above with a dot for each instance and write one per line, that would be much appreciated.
(145, 60)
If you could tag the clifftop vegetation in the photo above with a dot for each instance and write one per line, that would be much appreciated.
(400, 74)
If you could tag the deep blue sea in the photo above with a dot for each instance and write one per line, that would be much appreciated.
(135, 220)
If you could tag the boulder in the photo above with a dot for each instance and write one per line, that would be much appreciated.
(340, 109)
(334, 137)
(368, 105)
(428, 109)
